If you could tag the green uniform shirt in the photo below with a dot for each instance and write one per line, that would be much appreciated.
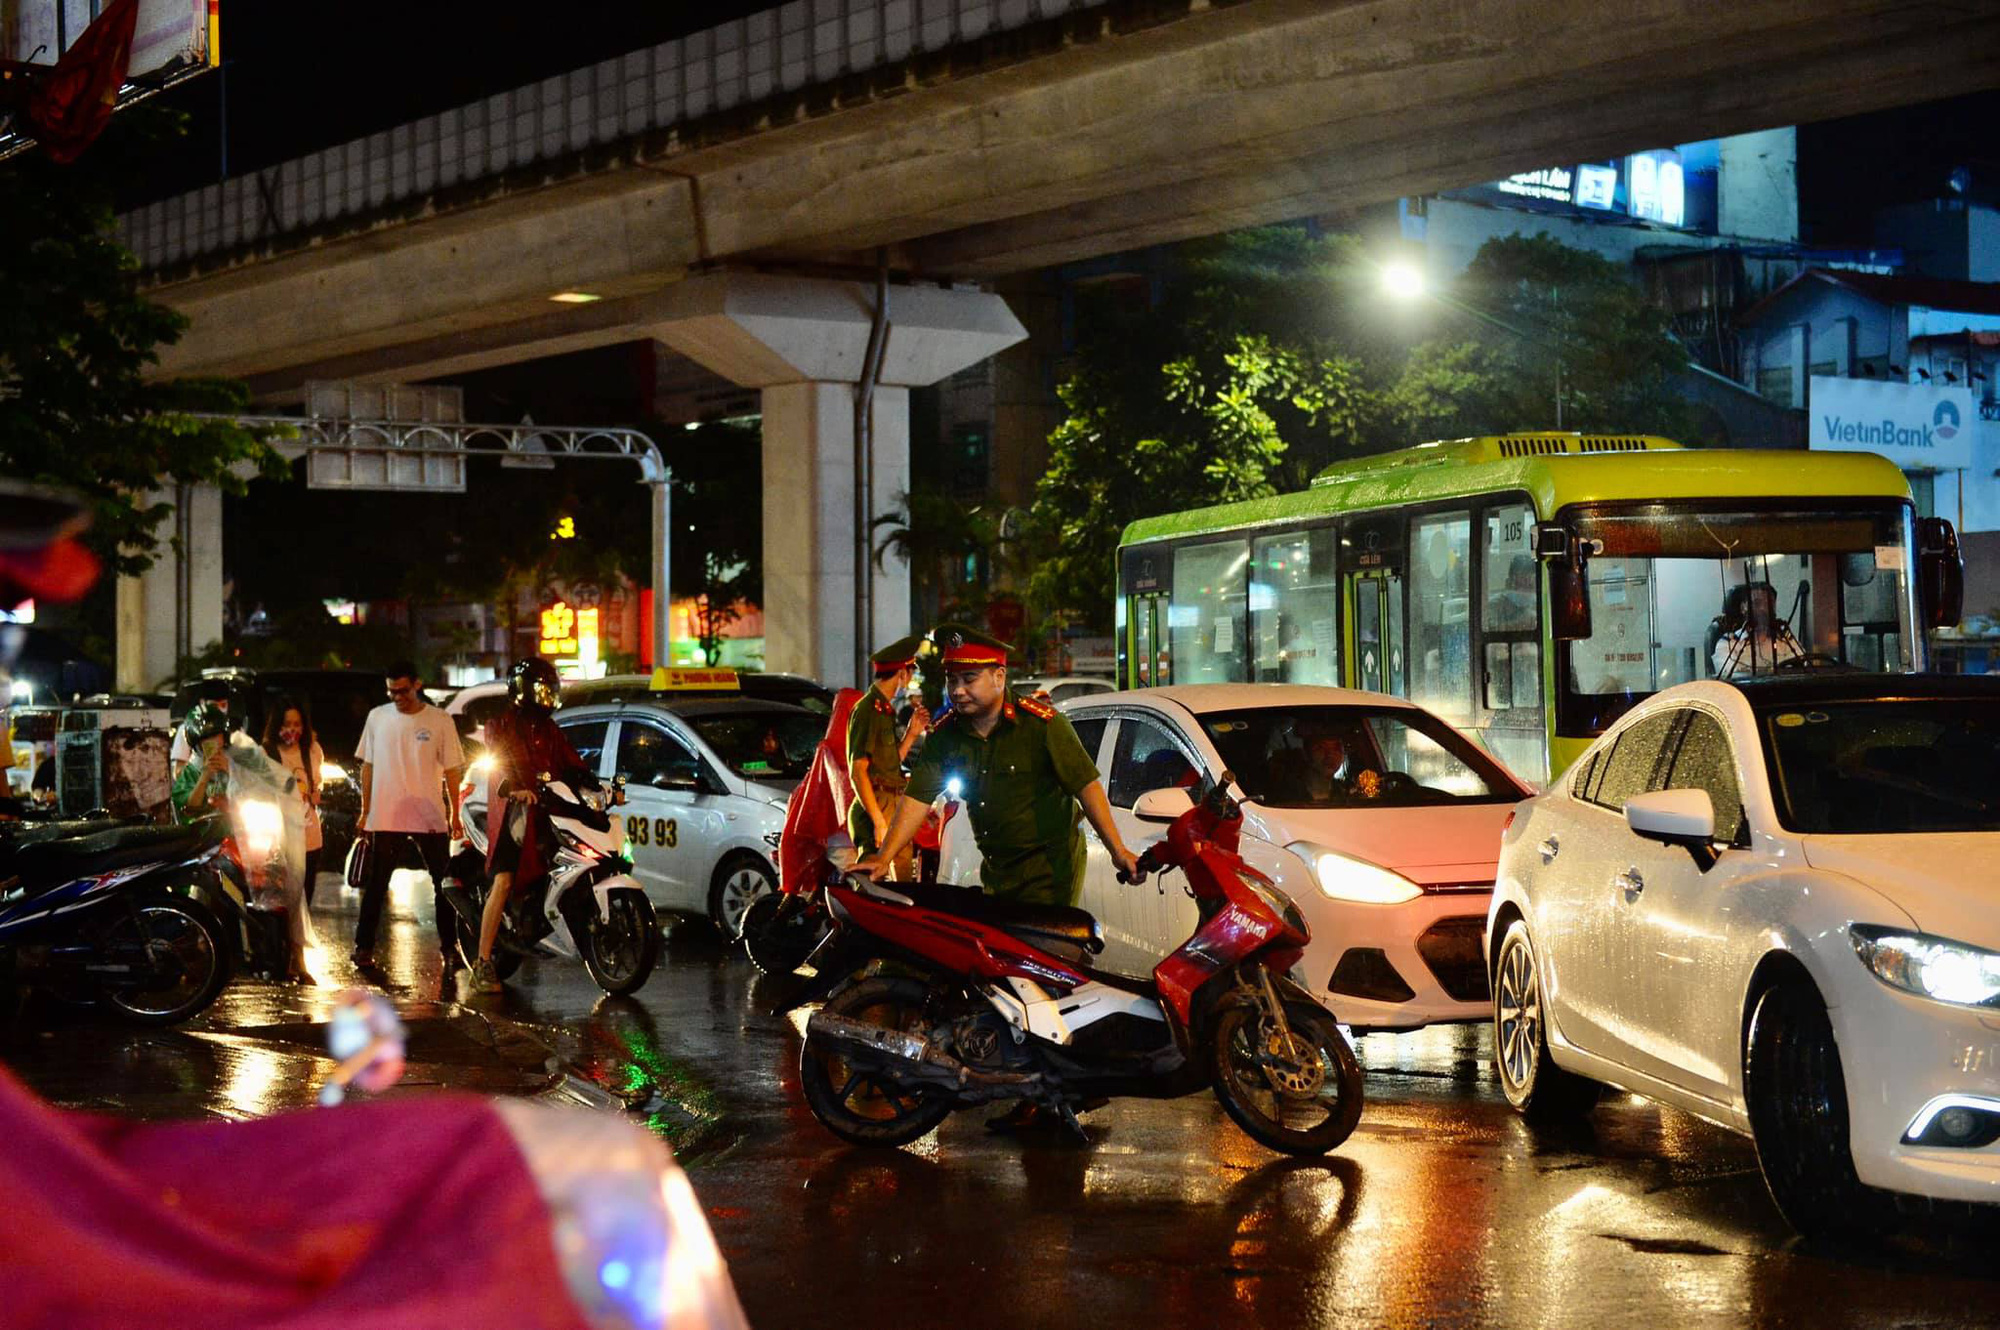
(1020, 786)
(871, 733)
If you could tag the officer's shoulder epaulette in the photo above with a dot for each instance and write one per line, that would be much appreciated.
(1037, 706)
(882, 705)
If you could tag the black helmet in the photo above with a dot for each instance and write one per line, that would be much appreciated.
(204, 721)
(533, 683)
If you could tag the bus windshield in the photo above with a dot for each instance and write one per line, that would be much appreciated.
(1681, 593)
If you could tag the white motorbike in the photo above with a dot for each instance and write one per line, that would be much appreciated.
(586, 907)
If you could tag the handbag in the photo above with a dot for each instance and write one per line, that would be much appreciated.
(356, 870)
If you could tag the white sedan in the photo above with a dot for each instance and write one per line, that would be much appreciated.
(1771, 904)
(1378, 818)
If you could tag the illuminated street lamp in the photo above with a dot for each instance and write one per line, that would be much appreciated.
(1402, 281)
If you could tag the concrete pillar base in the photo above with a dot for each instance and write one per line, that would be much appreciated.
(810, 549)
(174, 608)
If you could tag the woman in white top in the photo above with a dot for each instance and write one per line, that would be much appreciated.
(288, 738)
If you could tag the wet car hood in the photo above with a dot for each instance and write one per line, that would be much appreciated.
(1943, 882)
(1431, 845)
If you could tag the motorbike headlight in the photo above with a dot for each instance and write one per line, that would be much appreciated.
(1931, 967)
(263, 825)
(1357, 881)
(332, 773)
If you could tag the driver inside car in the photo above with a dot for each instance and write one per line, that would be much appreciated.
(1316, 772)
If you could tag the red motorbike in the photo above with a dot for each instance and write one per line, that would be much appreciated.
(940, 998)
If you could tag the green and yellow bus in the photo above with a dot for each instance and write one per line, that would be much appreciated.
(1449, 573)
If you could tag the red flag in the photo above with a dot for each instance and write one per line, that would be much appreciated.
(818, 806)
(69, 106)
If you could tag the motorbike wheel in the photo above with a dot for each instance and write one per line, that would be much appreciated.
(1301, 1101)
(867, 1108)
(620, 952)
(185, 936)
(778, 946)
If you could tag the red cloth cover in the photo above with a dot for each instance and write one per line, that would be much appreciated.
(524, 745)
(412, 1212)
(819, 803)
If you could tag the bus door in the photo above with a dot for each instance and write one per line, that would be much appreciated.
(1151, 663)
(1375, 608)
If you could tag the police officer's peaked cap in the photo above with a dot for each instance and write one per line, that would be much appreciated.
(897, 655)
(960, 645)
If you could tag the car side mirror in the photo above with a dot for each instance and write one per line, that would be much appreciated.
(676, 780)
(1676, 817)
(1162, 805)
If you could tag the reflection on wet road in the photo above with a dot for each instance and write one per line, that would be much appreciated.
(1442, 1209)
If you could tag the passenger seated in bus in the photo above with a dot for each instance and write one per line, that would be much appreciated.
(1513, 608)
(1759, 641)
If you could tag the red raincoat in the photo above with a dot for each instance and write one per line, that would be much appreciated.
(819, 803)
(379, 1216)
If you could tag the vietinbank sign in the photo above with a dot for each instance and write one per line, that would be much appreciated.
(1918, 427)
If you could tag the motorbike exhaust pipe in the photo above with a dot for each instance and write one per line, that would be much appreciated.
(920, 1059)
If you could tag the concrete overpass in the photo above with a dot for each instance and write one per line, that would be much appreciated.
(953, 141)
(1096, 128)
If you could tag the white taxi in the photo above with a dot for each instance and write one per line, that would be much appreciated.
(1771, 903)
(706, 783)
(1380, 820)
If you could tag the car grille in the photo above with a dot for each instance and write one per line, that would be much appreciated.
(1364, 972)
(1455, 951)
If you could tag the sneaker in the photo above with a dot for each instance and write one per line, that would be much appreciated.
(484, 979)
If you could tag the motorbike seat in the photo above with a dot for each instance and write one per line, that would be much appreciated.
(53, 862)
(1040, 925)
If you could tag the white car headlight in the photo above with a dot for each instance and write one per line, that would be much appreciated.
(1931, 967)
(1343, 878)
(332, 773)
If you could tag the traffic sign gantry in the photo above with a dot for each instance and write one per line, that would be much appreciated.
(346, 453)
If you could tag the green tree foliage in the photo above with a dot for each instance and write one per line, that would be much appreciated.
(1241, 384)
(76, 343)
(1530, 314)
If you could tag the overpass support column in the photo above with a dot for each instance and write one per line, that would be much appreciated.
(174, 608)
(804, 343)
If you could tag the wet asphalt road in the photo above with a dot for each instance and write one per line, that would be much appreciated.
(1442, 1209)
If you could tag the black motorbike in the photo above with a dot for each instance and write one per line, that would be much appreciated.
(102, 917)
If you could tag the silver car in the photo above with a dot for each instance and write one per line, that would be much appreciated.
(706, 784)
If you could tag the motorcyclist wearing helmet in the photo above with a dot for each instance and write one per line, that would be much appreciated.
(201, 788)
(526, 744)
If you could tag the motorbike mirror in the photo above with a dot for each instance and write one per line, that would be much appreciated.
(1162, 805)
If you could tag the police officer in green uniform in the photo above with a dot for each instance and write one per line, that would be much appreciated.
(875, 754)
(1023, 773)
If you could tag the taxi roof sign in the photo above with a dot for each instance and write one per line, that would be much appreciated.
(671, 680)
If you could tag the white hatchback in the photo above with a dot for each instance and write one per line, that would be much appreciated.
(1389, 852)
(1772, 904)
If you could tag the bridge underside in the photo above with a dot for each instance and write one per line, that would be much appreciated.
(1166, 122)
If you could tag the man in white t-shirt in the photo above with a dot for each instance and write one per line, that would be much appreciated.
(410, 768)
